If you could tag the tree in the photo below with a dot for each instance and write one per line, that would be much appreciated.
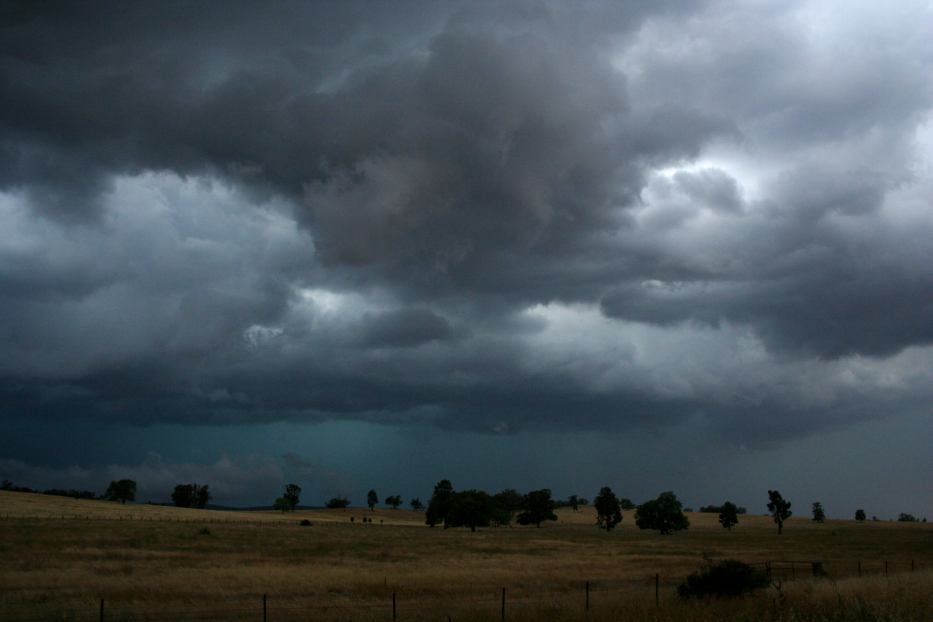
(372, 499)
(394, 501)
(470, 508)
(292, 492)
(906, 518)
(121, 490)
(191, 495)
(416, 505)
(819, 515)
(626, 504)
(779, 509)
(574, 502)
(337, 503)
(202, 495)
(860, 515)
(439, 505)
(183, 495)
(608, 509)
(728, 515)
(665, 514)
(537, 506)
(507, 503)
(283, 505)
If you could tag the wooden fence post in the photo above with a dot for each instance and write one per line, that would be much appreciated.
(587, 595)
(859, 567)
(657, 590)
(101, 610)
(503, 604)
(394, 616)
(885, 567)
(263, 608)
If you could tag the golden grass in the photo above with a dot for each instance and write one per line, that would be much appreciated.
(149, 565)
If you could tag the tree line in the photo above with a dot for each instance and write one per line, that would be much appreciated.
(476, 508)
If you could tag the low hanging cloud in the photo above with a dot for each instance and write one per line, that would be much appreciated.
(479, 216)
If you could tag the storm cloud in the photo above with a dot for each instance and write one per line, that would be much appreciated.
(482, 216)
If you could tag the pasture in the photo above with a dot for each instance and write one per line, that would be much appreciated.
(60, 557)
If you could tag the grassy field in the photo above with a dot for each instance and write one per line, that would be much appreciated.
(59, 557)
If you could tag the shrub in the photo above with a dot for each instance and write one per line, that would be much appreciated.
(305, 523)
(726, 578)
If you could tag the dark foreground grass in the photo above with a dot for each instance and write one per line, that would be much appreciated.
(163, 570)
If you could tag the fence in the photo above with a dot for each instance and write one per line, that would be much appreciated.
(395, 605)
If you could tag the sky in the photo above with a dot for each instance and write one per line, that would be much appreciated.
(654, 245)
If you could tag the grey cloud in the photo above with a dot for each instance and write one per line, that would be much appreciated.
(174, 188)
(405, 327)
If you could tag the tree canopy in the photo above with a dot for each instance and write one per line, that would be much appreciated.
(439, 505)
(122, 490)
(291, 496)
(608, 509)
(664, 514)
(191, 495)
(819, 515)
(728, 515)
(779, 509)
(537, 507)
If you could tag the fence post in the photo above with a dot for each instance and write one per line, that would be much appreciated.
(394, 617)
(263, 608)
(587, 595)
(911, 565)
(859, 567)
(503, 604)
(101, 610)
(885, 567)
(657, 590)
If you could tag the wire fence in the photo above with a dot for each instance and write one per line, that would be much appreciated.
(493, 604)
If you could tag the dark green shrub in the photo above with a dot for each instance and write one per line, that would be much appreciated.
(726, 578)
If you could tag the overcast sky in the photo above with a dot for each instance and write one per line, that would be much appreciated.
(651, 245)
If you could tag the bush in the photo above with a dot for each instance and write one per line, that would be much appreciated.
(305, 523)
(726, 578)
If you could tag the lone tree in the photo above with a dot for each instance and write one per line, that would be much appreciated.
(860, 515)
(779, 509)
(416, 504)
(283, 505)
(608, 510)
(819, 515)
(728, 515)
(337, 503)
(439, 505)
(574, 502)
(292, 492)
(122, 490)
(537, 506)
(372, 499)
(665, 514)
(394, 501)
(191, 495)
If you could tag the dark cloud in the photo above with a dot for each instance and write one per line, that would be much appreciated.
(484, 216)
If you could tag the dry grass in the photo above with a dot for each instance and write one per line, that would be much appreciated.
(155, 567)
